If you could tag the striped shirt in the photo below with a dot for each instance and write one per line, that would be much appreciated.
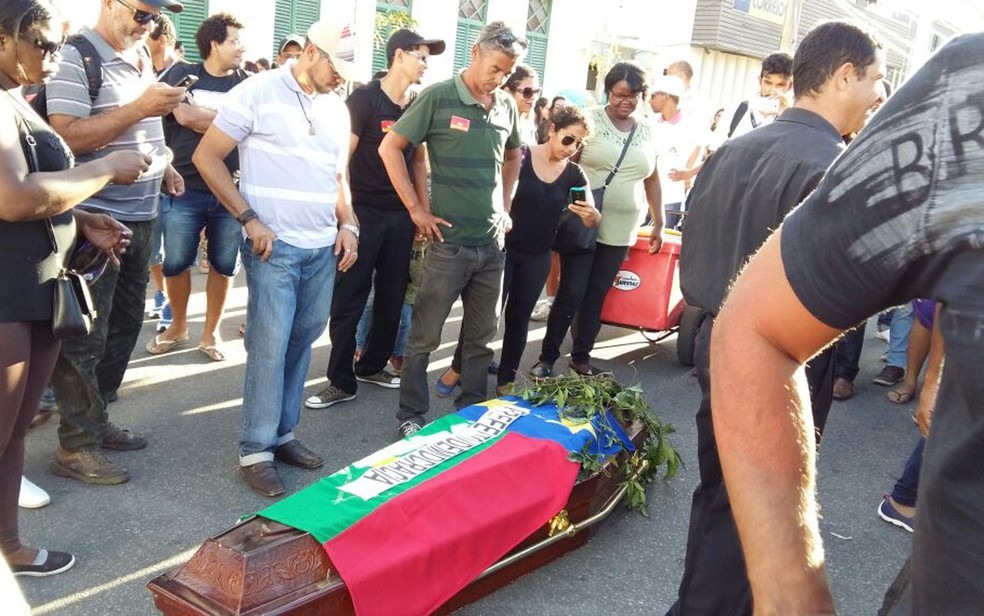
(122, 83)
(466, 145)
(288, 175)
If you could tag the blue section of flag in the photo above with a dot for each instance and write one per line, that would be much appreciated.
(744, 6)
(544, 422)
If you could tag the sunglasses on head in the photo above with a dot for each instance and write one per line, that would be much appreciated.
(529, 92)
(141, 17)
(570, 139)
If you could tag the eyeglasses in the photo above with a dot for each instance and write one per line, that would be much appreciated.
(416, 54)
(618, 98)
(529, 92)
(49, 48)
(570, 139)
(141, 17)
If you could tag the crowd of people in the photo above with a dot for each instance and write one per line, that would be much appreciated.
(371, 214)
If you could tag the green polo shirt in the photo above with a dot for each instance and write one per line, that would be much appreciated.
(466, 146)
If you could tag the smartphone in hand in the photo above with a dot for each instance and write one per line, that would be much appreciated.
(187, 81)
(577, 193)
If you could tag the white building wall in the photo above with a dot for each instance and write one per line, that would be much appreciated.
(437, 19)
(257, 19)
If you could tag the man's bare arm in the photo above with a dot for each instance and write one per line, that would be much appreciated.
(765, 436)
(194, 117)
(89, 134)
(391, 152)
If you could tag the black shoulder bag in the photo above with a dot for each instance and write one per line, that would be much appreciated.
(572, 236)
(73, 310)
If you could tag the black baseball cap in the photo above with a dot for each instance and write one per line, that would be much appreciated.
(406, 39)
(171, 5)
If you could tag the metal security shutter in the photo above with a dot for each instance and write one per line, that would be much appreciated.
(390, 16)
(537, 31)
(471, 20)
(293, 16)
(187, 22)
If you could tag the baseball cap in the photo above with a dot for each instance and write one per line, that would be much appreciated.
(407, 39)
(297, 39)
(171, 5)
(336, 37)
(668, 84)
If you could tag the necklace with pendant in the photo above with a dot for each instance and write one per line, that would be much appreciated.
(309, 121)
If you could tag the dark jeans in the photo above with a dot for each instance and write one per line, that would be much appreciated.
(847, 354)
(584, 282)
(384, 248)
(29, 345)
(714, 579)
(91, 367)
(904, 492)
(475, 274)
(522, 282)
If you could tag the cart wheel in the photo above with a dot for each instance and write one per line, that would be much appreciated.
(690, 321)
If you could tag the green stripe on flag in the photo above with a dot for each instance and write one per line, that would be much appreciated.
(332, 505)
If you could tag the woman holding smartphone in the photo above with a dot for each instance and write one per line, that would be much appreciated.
(547, 180)
(38, 191)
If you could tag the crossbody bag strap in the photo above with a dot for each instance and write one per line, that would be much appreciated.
(32, 167)
(621, 157)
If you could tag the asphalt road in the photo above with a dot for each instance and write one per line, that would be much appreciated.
(185, 485)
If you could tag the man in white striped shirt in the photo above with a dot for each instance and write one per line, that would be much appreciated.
(294, 203)
(126, 115)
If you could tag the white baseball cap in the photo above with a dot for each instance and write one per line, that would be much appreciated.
(336, 37)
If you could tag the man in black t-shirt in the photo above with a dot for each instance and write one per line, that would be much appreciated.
(183, 218)
(387, 230)
(899, 216)
(743, 193)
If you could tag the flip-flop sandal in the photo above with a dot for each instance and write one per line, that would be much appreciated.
(900, 397)
(214, 353)
(159, 346)
(242, 329)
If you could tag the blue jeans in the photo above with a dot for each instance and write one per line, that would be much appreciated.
(289, 302)
(898, 335)
(402, 334)
(450, 271)
(907, 487)
(183, 219)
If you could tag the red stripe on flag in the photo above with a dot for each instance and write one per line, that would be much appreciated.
(416, 551)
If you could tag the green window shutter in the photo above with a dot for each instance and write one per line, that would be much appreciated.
(536, 53)
(293, 16)
(390, 17)
(465, 37)
(187, 22)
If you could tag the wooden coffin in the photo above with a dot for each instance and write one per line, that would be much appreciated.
(264, 567)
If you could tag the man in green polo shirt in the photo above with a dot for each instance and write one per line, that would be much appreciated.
(471, 128)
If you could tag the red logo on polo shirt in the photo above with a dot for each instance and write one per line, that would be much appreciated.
(461, 124)
(386, 125)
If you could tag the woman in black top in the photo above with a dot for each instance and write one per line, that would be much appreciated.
(542, 194)
(37, 185)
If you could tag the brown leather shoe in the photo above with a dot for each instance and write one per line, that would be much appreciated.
(263, 478)
(843, 388)
(88, 466)
(121, 439)
(296, 454)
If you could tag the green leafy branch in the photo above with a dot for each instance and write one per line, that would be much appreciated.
(583, 399)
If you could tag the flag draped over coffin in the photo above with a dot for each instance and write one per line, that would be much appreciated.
(412, 524)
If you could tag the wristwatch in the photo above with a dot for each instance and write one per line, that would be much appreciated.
(247, 216)
(350, 227)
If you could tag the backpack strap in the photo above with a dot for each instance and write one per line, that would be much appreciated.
(739, 113)
(91, 62)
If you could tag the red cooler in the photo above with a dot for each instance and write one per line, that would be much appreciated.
(646, 291)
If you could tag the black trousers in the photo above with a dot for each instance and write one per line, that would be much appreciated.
(584, 282)
(384, 249)
(714, 577)
(847, 354)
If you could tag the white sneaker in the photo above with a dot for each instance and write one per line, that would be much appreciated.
(31, 496)
(542, 310)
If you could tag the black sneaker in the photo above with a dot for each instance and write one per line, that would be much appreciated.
(889, 375)
(409, 428)
(328, 396)
(46, 563)
(541, 370)
(382, 378)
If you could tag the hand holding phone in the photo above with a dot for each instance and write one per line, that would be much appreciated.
(187, 81)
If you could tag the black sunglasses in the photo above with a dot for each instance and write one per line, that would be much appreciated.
(141, 17)
(529, 92)
(48, 48)
(569, 139)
